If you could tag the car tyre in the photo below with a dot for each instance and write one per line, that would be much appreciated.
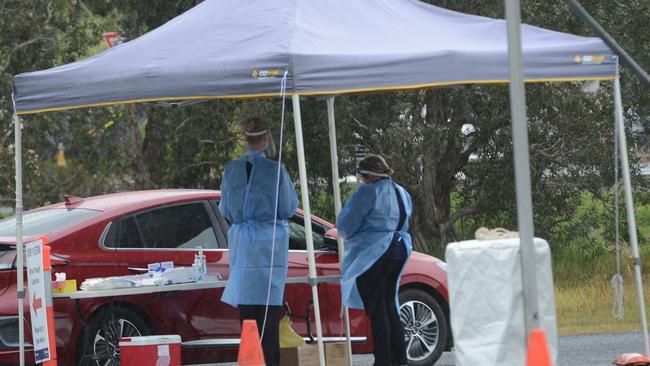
(425, 327)
(100, 339)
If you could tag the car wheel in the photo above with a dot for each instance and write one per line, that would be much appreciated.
(102, 336)
(425, 327)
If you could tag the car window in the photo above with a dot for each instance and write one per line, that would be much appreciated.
(7, 257)
(170, 227)
(45, 221)
(129, 234)
(298, 238)
(222, 224)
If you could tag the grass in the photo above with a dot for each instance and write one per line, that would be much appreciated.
(587, 309)
(584, 298)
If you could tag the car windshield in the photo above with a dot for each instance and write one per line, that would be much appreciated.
(44, 221)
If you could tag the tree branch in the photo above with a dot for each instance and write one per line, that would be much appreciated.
(200, 163)
(180, 125)
(462, 212)
(5, 64)
(209, 141)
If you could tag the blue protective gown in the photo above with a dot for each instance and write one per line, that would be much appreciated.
(368, 222)
(248, 206)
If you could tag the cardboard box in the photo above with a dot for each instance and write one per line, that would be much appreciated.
(299, 356)
(336, 354)
(178, 275)
(60, 287)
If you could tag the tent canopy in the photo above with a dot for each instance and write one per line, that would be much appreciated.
(241, 48)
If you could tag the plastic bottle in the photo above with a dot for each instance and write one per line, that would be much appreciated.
(204, 263)
(199, 258)
(197, 274)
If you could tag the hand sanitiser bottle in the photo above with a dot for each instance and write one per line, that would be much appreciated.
(200, 262)
(204, 263)
(197, 273)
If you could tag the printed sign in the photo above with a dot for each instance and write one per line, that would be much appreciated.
(37, 311)
(265, 74)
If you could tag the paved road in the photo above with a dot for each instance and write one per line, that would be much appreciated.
(584, 350)
(597, 349)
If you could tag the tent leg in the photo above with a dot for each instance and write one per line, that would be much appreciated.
(337, 207)
(304, 190)
(629, 208)
(19, 237)
(522, 165)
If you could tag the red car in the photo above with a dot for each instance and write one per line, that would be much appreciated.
(119, 234)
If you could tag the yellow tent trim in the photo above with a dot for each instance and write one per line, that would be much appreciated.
(329, 92)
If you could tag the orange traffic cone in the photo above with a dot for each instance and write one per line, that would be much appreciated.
(538, 354)
(250, 348)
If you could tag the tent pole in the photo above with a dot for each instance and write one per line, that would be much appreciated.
(337, 208)
(522, 165)
(629, 207)
(19, 237)
(304, 190)
(335, 163)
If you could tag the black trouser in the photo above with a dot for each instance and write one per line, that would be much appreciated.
(271, 337)
(377, 289)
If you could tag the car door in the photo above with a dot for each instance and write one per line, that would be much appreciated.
(299, 295)
(172, 233)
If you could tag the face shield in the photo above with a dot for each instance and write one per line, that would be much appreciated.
(362, 174)
(269, 147)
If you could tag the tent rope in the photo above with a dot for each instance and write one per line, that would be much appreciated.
(283, 90)
(618, 310)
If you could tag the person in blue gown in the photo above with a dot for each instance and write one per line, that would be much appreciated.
(257, 198)
(374, 225)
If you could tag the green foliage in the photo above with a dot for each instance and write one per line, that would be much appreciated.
(322, 200)
(643, 224)
(584, 249)
(582, 233)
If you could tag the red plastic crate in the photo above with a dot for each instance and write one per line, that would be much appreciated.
(157, 350)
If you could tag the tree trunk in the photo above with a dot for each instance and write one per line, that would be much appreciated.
(134, 146)
(432, 202)
(153, 146)
(441, 157)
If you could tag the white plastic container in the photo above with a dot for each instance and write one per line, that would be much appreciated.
(487, 301)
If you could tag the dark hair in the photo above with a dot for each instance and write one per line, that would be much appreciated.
(376, 164)
(253, 124)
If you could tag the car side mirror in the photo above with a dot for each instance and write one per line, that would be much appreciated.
(57, 260)
(330, 240)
